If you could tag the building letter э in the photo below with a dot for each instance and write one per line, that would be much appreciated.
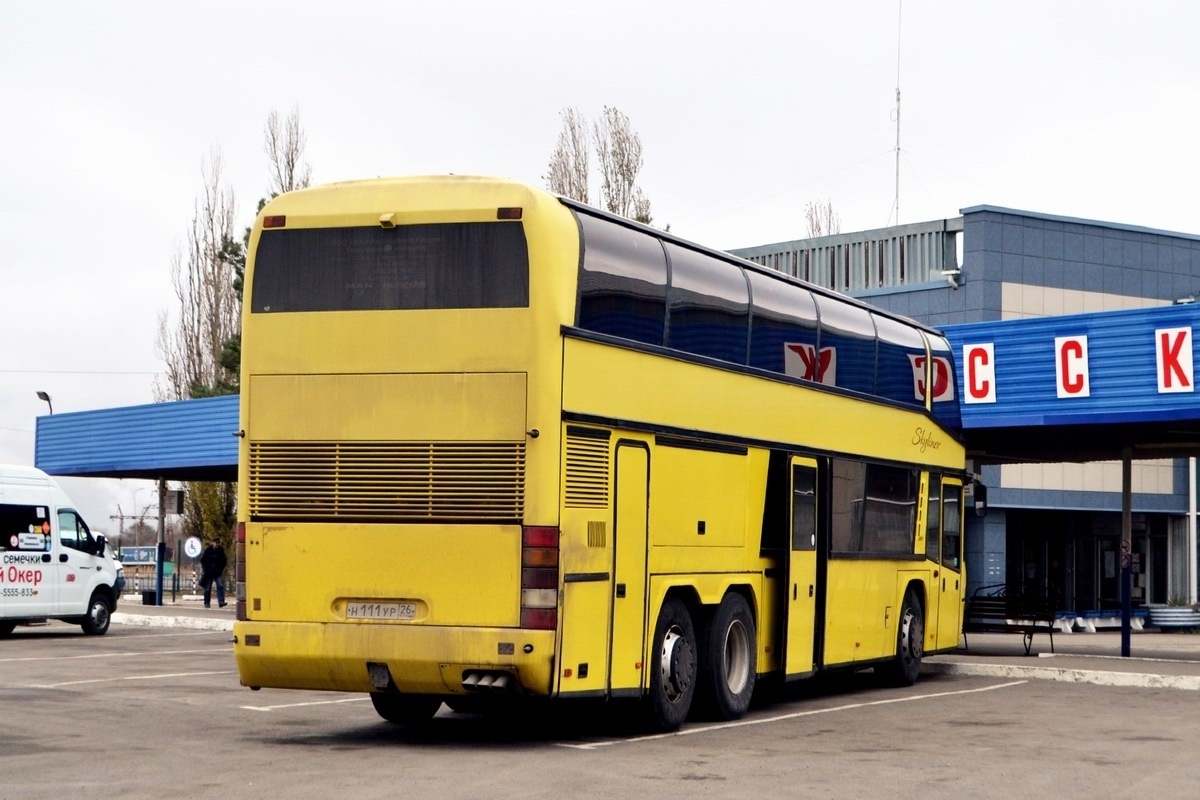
(1071, 366)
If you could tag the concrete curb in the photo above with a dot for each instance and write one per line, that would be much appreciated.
(194, 623)
(1096, 677)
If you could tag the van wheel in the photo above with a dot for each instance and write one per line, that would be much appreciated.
(672, 666)
(405, 709)
(7, 626)
(910, 645)
(729, 661)
(98, 617)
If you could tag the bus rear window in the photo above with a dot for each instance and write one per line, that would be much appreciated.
(449, 265)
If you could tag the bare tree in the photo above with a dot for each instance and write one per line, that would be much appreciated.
(284, 144)
(201, 343)
(567, 173)
(641, 207)
(822, 219)
(619, 151)
(208, 311)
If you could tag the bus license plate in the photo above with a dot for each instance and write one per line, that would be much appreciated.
(381, 611)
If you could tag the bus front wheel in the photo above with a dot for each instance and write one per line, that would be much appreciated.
(910, 645)
(673, 666)
(730, 658)
(405, 709)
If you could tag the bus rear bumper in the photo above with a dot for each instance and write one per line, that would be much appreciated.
(420, 659)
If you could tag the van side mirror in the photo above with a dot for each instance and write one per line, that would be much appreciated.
(980, 494)
(100, 544)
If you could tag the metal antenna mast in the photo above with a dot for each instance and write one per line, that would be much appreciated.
(899, 16)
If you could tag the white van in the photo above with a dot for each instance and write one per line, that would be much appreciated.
(51, 565)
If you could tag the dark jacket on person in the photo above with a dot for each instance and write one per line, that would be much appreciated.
(212, 561)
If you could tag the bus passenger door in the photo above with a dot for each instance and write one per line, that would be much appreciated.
(951, 582)
(933, 549)
(629, 569)
(802, 590)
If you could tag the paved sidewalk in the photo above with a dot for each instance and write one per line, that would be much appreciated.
(1157, 660)
(182, 611)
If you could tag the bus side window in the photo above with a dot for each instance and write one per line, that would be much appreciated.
(933, 517)
(622, 282)
(804, 508)
(951, 526)
(901, 352)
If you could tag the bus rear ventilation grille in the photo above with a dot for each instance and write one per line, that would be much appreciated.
(468, 482)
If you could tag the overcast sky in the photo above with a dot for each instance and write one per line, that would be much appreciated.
(746, 111)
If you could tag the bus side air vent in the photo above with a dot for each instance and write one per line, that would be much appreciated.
(587, 468)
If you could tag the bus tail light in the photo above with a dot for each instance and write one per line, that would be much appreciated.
(539, 578)
(239, 570)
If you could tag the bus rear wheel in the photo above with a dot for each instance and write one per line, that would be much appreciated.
(405, 709)
(730, 659)
(672, 666)
(7, 626)
(910, 645)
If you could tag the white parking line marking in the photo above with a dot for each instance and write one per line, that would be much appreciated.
(782, 717)
(298, 705)
(104, 655)
(131, 678)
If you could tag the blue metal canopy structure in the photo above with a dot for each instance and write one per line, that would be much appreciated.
(1080, 387)
(186, 440)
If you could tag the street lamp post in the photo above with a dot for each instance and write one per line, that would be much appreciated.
(44, 396)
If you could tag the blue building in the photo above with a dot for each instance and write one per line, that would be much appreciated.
(1053, 527)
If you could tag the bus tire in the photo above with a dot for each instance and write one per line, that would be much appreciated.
(99, 615)
(7, 626)
(904, 668)
(672, 666)
(730, 659)
(405, 709)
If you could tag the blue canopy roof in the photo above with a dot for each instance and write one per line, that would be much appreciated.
(186, 440)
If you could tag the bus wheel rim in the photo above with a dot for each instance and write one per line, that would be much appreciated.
(676, 665)
(737, 657)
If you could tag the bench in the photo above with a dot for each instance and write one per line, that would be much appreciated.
(991, 609)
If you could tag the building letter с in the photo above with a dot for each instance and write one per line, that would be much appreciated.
(1071, 366)
(979, 380)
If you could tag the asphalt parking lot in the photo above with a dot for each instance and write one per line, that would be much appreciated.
(153, 711)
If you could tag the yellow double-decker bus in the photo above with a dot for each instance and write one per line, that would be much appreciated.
(499, 444)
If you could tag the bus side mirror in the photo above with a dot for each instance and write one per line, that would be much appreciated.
(980, 494)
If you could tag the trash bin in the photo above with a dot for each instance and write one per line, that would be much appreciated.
(149, 597)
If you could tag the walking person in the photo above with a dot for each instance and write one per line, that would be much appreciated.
(212, 571)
